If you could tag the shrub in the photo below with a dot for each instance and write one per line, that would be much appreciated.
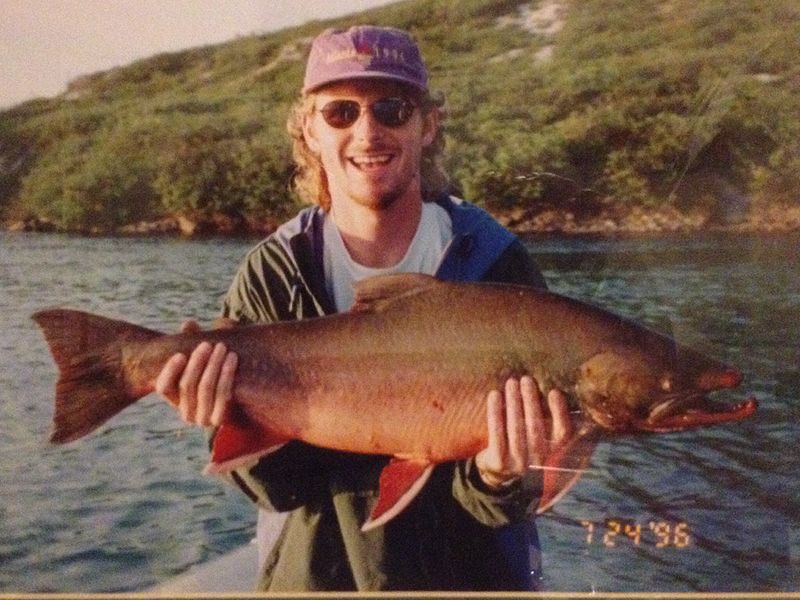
(209, 172)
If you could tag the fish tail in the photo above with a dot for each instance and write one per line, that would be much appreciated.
(91, 387)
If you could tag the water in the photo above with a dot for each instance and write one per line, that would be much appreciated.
(127, 507)
(705, 510)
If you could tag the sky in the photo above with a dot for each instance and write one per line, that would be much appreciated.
(44, 44)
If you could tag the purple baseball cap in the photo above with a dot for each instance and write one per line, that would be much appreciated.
(364, 52)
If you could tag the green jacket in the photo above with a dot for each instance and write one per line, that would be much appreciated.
(457, 534)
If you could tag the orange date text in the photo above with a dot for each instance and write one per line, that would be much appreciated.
(615, 532)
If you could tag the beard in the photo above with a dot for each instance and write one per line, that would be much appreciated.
(386, 200)
(380, 200)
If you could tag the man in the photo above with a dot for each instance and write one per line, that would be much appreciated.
(367, 141)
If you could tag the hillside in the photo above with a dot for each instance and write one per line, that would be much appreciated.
(562, 114)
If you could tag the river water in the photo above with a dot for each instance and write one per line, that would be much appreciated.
(128, 507)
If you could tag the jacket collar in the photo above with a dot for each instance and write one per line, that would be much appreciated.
(478, 241)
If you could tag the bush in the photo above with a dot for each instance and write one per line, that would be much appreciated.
(209, 172)
(87, 188)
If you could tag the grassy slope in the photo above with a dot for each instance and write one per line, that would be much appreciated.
(654, 104)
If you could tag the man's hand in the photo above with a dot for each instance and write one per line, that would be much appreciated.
(519, 433)
(200, 385)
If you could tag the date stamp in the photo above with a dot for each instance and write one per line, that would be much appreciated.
(616, 532)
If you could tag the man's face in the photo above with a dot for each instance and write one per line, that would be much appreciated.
(367, 162)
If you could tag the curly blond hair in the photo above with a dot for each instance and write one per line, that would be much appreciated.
(310, 182)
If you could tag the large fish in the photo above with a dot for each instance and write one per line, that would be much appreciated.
(405, 374)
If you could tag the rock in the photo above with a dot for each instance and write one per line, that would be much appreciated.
(33, 224)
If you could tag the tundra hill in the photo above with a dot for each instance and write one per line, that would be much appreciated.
(583, 109)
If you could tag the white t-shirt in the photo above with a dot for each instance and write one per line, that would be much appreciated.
(434, 232)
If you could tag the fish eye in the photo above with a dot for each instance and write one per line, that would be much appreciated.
(666, 383)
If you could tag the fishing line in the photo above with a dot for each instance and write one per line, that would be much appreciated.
(559, 469)
(587, 471)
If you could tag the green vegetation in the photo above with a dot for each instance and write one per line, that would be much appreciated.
(643, 104)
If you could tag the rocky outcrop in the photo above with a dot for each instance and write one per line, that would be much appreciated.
(611, 220)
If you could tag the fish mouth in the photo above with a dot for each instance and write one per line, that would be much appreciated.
(688, 410)
(692, 411)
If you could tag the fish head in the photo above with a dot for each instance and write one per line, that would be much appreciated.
(629, 393)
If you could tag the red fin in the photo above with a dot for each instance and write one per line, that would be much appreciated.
(237, 445)
(565, 465)
(400, 482)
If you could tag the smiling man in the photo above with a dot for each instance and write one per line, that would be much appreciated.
(367, 143)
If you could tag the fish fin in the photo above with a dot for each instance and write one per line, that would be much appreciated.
(374, 293)
(565, 466)
(237, 445)
(400, 482)
(91, 387)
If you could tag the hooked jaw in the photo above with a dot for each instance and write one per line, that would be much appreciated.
(696, 411)
(692, 409)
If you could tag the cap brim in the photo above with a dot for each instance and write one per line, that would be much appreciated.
(364, 75)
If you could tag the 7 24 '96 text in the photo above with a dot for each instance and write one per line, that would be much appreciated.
(616, 532)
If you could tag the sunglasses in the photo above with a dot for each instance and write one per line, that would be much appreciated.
(390, 112)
